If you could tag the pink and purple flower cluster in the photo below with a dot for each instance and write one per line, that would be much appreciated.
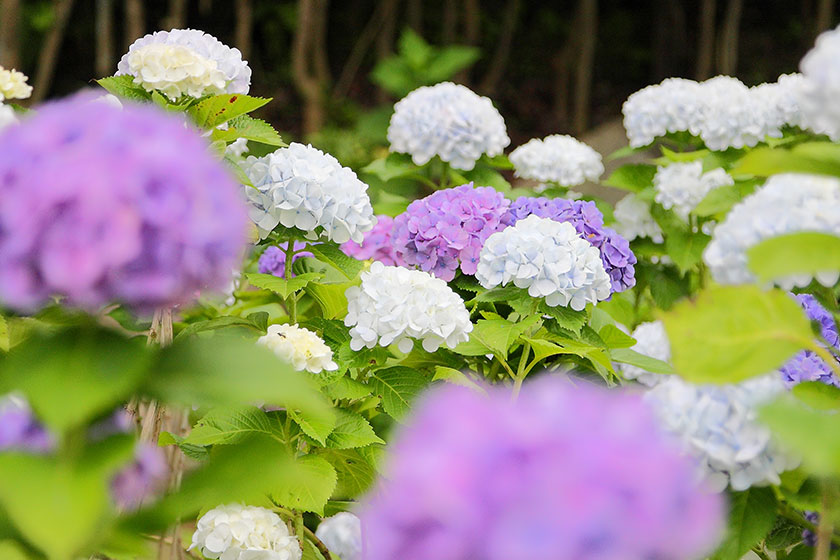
(807, 366)
(376, 245)
(273, 259)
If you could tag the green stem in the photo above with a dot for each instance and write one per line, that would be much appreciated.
(291, 301)
(506, 366)
(521, 371)
(825, 529)
(299, 532)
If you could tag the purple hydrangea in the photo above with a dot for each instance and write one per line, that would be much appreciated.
(376, 245)
(99, 204)
(273, 260)
(808, 536)
(20, 430)
(145, 476)
(615, 251)
(447, 229)
(807, 366)
(565, 473)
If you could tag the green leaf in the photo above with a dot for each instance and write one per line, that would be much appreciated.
(565, 317)
(796, 253)
(309, 485)
(631, 177)
(317, 426)
(330, 298)
(330, 254)
(94, 369)
(628, 356)
(354, 472)
(392, 167)
(813, 434)
(812, 157)
(712, 344)
(685, 248)
(398, 386)
(351, 430)
(414, 49)
(213, 111)
(280, 286)
(494, 336)
(818, 395)
(248, 127)
(219, 323)
(615, 338)
(346, 388)
(4, 334)
(752, 514)
(229, 425)
(671, 155)
(450, 60)
(485, 176)
(124, 86)
(455, 377)
(720, 200)
(10, 550)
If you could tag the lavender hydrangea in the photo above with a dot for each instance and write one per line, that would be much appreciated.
(477, 476)
(376, 245)
(446, 230)
(19, 429)
(99, 205)
(619, 261)
(807, 366)
(139, 480)
(273, 260)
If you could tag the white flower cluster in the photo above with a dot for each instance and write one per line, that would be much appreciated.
(547, 257)
(300, 347)
(559, 158)
(447, 120)
(654, 111)
(787, 203)
(779, 103)
(236, 532)
(820, 86)
(342, 534)
(633, 219)
(651, 340)
(13, 85)
(301, 186)
(394, 304)
(185, 61)
(682, 186)
(718, 426)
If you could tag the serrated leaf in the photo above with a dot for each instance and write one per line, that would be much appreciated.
(213, 111)
(628, 356)
(346, 388)
(355, 474)
(564, 317)
(245, 126)
(309, 485)
(806, 252)
(615, 338)
(331, 330)
(229, 425)
(124, 86)
(281, 286)
(751, 516)
(316, 426)
(456, 377)
(330, 254)
(494, 336)
(351, 430)
(330, 298)
(218, 323)
(631, 177)
(398, 386)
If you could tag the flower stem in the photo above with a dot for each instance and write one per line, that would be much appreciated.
(521, 371)
(291, 300)
(825, 529)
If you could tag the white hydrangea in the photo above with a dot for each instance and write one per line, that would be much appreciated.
(447, 120)
(300, 347)
(654, 111)
(301, 186)
(237, 532)
(787, 203)
(342, 534)
(185, 61)
(718, 425)
(548, 258)
(651, 340)
(820, 87)
(559, 158)
(682, 186)
(395, 305)
(7, 116)
(729, 116)
(778, 103)
(633, 219)
(13, 85)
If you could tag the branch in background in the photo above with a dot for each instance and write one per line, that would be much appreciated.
(244, 27)
(305, 77)
(728, 42)
(450, 21)
(706, 43)
(385, 39)
(825, 16)
(177, 16)
(135, 21)
(415, 16)
(9, 37)
(48, 56)
(586, 59)
(357, 54)
(319, 44)
(472, 24)
(104, 37)
(510, 19)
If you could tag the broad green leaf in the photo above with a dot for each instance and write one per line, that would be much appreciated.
(631, 177)
(213, 111)
(311, 552)
(545, 348)
(625, 151)
(752, 514)
(783, 535)
(685, 248)
(280, 286)
(355, 472)
(818, 395)
(720, 200)
(796, 253)
(813, 434)
(615, 338)
(317, 426)
(499, 294)
(804, 158)
(671, 155)
(628, 356)
(565, 317)
(10, 550)
(494, 336)
(456, 377)
(346, 388)
(4, 334)
(391, 167)
(218, 323)
(330, 298)
(398, 386)
(414, 48)
(230, 425)
(485, 176)
(94, 369)
(330, 254)
(124, 86)
(450, 60)
(248, 127)
(309, 485)
(712, 344)
(351, 430)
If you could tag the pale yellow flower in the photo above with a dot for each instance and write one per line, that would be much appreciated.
(13, 85)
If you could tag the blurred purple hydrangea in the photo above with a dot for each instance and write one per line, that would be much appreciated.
(99, 204)
(145, 476)
(20, 430)
(615, 251)
(376, 245)
(565, 473)
(273, 260)
(447, 229)
(808, 536)
(807, 366)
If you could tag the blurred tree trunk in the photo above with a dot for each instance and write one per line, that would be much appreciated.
(357, 54)
(450, 21)
(586, 59)
(135, 21)
(9, 37)
(48, 56)
(669, 39)
(562, 66)
(415, 15)
(244, 27)
(385, 39)
(177, 16)
(510, 19)
(728, 42)
(309, 61)
(706, 42)
(319, 44)
(104, 38)
(825, 16)
(472, 24)
(205, 6)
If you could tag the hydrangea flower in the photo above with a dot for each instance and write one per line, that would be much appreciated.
(19, 429)
(273, 259)
(394, 305)
(548, 258)
(633, 220)
(185, 62)
(477, 476)
(342, 534)
(101, 205)
(13, 85)
(729, 115)
(300, 186)
(718, 425)
(559, 158)
(670, 106)
(651, 340)
(237, 532)
(146, 475)
(615, 251)
(446, 230)
(820, 86)
(300, 347)
(787, 203)
(779, 104)
(449, 121)
(807, 366)
(682, 186)
(377, 244)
